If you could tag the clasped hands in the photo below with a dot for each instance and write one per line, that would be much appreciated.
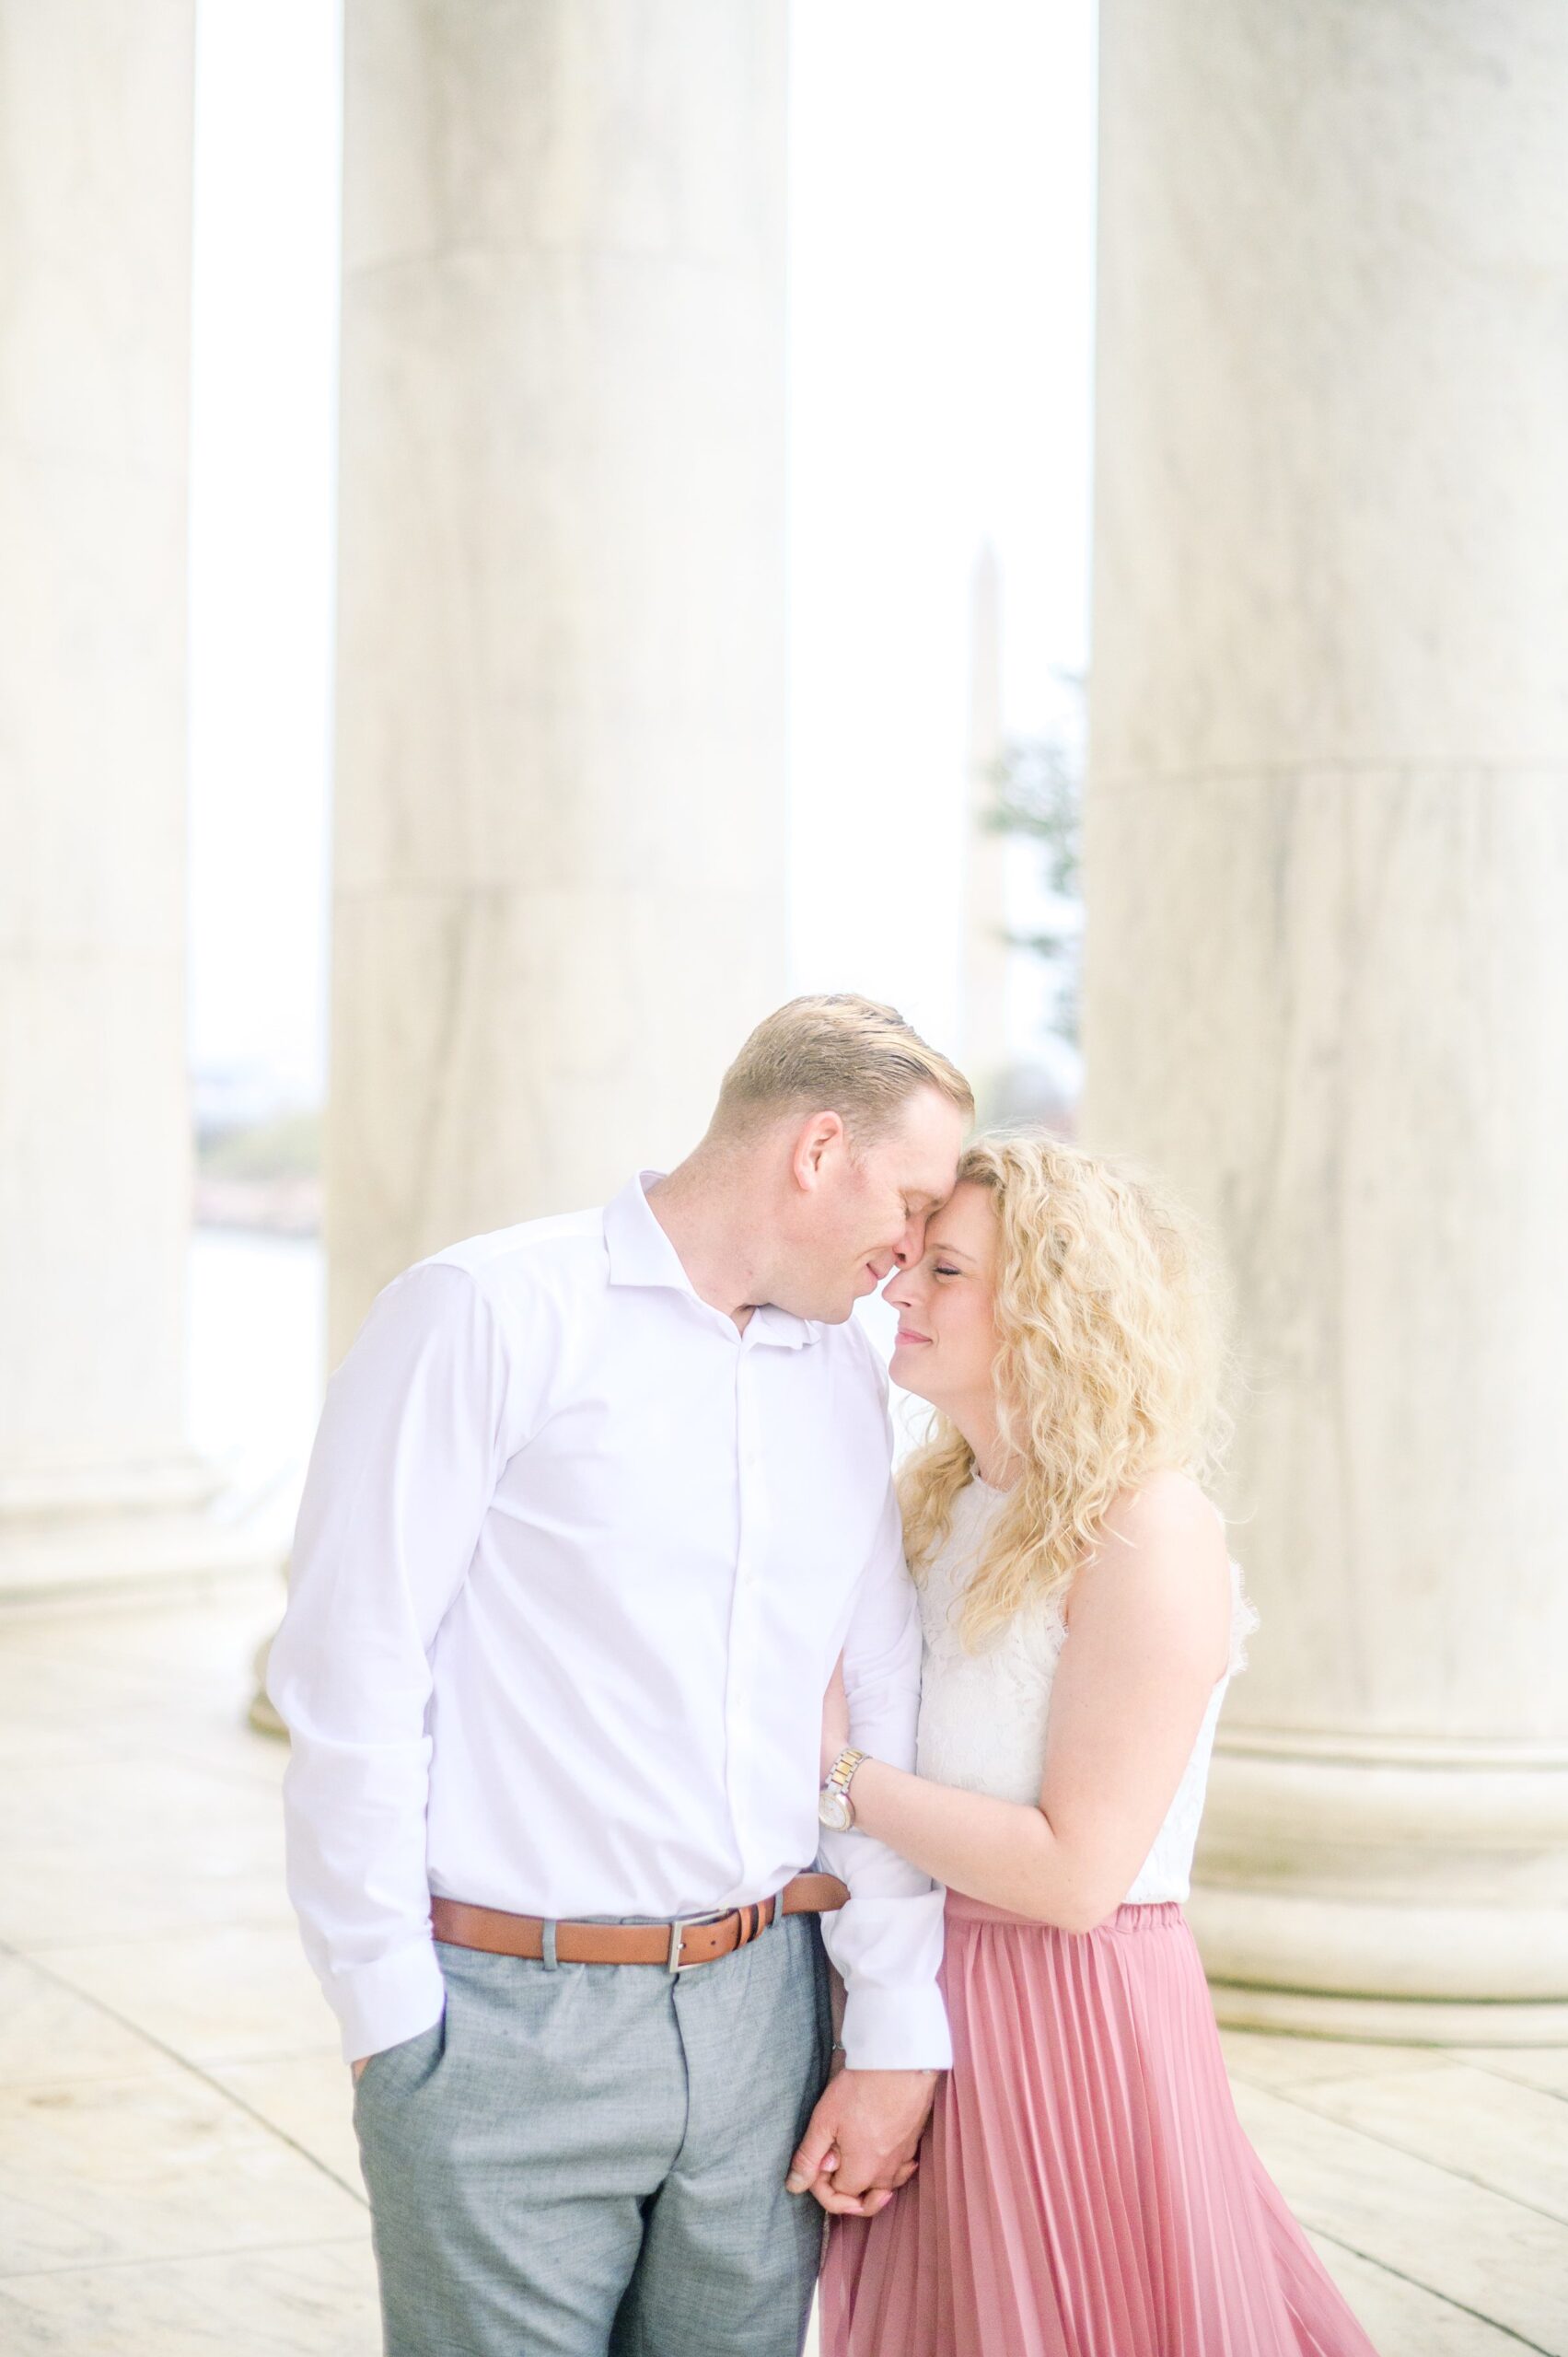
(860, 2146)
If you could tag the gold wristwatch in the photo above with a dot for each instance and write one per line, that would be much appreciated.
(835, 1807)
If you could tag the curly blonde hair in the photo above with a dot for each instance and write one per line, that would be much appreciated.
(1111, 1366)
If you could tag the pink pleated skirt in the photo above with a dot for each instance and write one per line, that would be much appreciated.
(1085, 2186)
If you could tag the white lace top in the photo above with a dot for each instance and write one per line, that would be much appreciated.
(983, 1714)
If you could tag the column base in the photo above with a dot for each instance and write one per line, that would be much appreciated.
(1388, 2021)
(262, 1715)
(133, 1551)
(1386, 1888)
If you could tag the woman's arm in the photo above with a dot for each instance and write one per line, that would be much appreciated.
(1149, 1636)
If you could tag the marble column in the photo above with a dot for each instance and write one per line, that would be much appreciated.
(559, 858)
(1326, 982)
(96, 1482)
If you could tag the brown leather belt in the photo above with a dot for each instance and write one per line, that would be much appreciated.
(698, 1939)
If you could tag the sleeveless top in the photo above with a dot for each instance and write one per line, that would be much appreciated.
(983, 1714)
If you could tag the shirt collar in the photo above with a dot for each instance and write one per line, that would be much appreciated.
(641, 1253)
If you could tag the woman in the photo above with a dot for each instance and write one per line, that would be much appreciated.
(1084, 2188)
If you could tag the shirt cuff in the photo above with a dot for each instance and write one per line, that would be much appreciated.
(381, 2005)
(896, 2030)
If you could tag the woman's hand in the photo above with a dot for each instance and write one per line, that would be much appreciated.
(835, 1718)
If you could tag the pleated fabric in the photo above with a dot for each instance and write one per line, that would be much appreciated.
(1085, 2186)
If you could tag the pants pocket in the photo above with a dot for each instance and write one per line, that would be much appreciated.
(399, 2071)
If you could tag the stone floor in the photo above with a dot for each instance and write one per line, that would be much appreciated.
(177, 2170)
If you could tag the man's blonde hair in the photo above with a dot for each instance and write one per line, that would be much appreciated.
(839, 1054)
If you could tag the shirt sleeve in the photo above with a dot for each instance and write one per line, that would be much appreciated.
(406, 1461)
(887, 1941)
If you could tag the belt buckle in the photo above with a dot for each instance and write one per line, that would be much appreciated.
(677, 1930)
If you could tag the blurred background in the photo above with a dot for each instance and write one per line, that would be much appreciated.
(529, 531)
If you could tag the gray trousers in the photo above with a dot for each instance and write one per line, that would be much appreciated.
(591, 2158)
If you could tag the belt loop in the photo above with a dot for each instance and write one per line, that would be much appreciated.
(547, 1946)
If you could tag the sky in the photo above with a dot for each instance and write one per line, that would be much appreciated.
(941, 236)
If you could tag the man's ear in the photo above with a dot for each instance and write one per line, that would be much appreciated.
(815, 1141)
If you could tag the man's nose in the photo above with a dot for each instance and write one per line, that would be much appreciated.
(912, 1243)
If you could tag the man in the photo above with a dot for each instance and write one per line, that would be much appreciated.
(596, 1503)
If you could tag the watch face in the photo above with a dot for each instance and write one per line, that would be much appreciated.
(832, 1810)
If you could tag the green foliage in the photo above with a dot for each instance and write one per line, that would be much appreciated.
(289, 1147)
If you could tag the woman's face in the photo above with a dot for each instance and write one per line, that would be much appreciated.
(946, 1345)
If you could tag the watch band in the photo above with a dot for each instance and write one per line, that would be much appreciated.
(842, 1771)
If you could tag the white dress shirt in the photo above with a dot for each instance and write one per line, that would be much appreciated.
(575, 1560)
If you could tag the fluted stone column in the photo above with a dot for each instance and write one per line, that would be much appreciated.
(1328, 954)
(559, 892)
(96, 1482)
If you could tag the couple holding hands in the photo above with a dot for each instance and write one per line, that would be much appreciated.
(629, 1688)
